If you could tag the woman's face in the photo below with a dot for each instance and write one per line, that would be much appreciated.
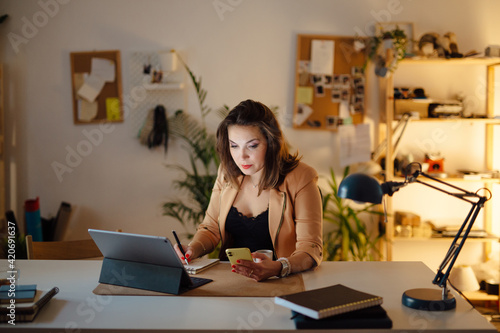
(248, 148)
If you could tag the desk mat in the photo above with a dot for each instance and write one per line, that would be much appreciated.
(225, 283)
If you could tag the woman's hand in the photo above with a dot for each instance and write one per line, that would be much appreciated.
(261, 270)
(187, 250)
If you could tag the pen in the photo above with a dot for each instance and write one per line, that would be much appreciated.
(180, 246)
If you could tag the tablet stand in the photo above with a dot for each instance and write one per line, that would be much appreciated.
(142, 276)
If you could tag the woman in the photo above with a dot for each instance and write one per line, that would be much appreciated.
(263, 198)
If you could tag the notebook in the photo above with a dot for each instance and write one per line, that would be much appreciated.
(370, 318)
(28, 312)
(200, 264)
(154, 250)
(22, 293)
(328, 301)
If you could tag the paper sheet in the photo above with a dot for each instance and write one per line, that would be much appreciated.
(355, 144)
(91, 87)
(303, 112)
(87, 111)
(104, 68)
(322, 56)
(113, 108)
(305, 95)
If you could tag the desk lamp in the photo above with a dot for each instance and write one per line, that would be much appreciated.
(365, 188)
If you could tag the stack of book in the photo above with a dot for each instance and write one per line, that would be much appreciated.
(335, 306)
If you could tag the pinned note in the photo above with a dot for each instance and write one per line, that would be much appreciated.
(91, 87)
(305, 95)
(113, 108)
(322, 57)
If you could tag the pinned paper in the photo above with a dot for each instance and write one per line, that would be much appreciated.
(104, 68)
(87, 111)
(344, 109)
(354, 144)
(91, 88)
(322, 57)
(305, 95)
(303, 112)
(113, 108)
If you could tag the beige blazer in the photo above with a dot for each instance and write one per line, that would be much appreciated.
(295, 215)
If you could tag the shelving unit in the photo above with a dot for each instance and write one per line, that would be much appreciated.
(164, 86)
(171, 93)
(387, 117)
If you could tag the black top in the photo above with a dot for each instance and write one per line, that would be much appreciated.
(251, 232)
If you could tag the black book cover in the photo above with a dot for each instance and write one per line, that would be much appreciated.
(372, 317)
(328, 301)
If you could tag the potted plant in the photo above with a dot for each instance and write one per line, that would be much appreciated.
(350, 238)
(198, 178)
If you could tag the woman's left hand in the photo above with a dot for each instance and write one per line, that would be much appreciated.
(261, 270)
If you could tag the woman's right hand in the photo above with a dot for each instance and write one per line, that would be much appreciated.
(187, 250)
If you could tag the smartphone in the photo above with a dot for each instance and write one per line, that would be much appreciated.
(238, 253)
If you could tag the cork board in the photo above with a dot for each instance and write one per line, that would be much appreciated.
(326, 101)
(96, 87)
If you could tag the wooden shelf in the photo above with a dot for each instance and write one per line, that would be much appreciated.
(479, 296)
(455, 61)
(445, 239)
(164, 86)
(455, 179)
(492, 121)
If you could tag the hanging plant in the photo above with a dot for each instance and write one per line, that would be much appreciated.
(387, 49)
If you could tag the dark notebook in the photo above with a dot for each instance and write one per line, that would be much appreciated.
(21, 293)
(328, 301)
(28, 312)
(372, 317)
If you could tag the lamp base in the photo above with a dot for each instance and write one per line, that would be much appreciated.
(428, 299)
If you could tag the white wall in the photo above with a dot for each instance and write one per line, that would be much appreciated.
(247, 51)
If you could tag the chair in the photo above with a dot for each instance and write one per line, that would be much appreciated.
(62, 250)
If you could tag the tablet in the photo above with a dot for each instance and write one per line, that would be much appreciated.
(154, 250)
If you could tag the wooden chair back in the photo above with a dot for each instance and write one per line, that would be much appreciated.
(62, 250)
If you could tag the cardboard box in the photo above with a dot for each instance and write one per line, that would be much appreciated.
(420, 106)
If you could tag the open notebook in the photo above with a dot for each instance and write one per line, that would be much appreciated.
(200, 264)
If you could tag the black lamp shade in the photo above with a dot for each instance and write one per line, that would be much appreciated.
(361, 187)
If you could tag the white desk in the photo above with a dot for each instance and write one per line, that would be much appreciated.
(77, 309)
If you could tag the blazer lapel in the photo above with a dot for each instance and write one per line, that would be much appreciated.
(276, 212)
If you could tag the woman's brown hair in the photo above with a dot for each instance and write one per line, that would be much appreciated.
(278, 162)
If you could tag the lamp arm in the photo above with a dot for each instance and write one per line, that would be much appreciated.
(451, 256)
(477, 201)
(405, 118)
(463, 195)
(390, 188)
